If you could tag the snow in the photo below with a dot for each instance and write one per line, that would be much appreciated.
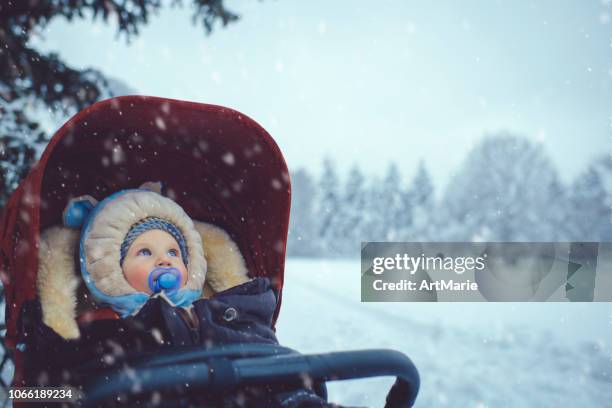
(468, 354)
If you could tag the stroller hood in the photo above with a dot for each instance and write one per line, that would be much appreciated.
(219, 165)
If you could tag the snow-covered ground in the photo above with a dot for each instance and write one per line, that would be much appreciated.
(468, 354)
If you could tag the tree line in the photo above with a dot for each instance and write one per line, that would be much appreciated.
(507, 189)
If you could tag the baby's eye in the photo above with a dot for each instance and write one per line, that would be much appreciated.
(144, 252)
(173, 252)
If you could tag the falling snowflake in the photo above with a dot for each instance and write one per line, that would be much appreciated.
(228, 158)
(159, 122)
(322, 27)
(118, 155)
(276, 184)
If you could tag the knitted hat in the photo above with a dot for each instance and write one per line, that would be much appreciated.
(109, 228)
(154, 223)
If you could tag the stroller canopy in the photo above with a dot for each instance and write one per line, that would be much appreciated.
(218, 164)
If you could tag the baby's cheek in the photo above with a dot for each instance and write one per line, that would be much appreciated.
(184, 275)
(138, 276)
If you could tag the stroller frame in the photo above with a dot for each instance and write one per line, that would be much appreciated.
(220, 166)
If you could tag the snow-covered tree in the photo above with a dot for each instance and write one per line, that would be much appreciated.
(384, 205)
(505, 191)
(328, 210)
(373, 220)
(557, 218)
(590, 212)
(603, 167)
(25, 129)
(30, 77)
(354, 216)
(302, 228)
(19, 141)
(392, 204)
(421, 203)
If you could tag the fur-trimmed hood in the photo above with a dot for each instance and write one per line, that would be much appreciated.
(104, 229)
(215, 262)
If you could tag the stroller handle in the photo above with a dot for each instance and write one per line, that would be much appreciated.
(230, 367)
(342, 365)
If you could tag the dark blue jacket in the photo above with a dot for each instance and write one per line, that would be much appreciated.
(242, 314)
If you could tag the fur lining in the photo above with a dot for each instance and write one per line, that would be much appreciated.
(58, 276)
(226, 266)
(57, 280)
(112, 223)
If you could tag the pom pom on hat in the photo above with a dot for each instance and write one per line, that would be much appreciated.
(77, 211)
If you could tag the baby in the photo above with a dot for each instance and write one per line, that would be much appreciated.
(137, 243)
(140, 285)
(141, 255)
(153, 257)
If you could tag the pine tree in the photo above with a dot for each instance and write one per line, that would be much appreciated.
(422, 205)
(374, 219)
(19, 141)
(384, 207)
(392, 204)
(354, 216)
(302, 234)
(327, 212)
(31, 77)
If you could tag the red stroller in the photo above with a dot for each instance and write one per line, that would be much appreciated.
(222, 168)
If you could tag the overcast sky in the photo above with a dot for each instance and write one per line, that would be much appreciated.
(373, 82)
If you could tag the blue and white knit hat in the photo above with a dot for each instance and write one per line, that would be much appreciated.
(109, 228)
(154, 223)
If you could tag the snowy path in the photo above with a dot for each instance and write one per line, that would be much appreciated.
(468, 355)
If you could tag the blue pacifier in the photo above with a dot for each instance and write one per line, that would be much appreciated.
(165, 279)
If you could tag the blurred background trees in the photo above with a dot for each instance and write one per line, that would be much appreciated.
(507, 189)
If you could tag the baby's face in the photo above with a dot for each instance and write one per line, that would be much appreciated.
(152, 249)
